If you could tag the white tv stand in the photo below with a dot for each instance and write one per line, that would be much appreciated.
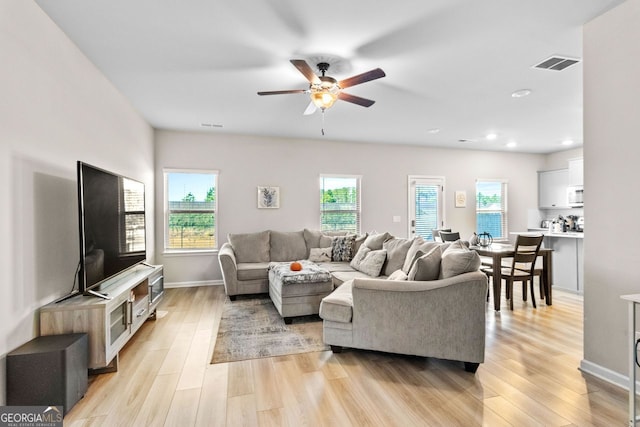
(110, 318)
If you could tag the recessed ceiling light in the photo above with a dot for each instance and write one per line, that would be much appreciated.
(511, 144)
(491, 136)
(520, 93)
(567, 142)
(433, 131)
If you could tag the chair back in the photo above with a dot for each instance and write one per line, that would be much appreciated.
(435, 233)
(526, 252)
(449, 236)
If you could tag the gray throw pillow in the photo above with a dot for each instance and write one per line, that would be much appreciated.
(342, 247)
(418, 245)
(375, 241)
(427, 266)
(251, 247)
(458, 259)
(368, 261)
(396, 254)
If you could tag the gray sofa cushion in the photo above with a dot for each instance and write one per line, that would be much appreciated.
(251, 247)
(288, 246)
(426, 266)
(396, 254)
(316, 239)
(368, 261)
(339, 277)
(418, 244)
(253, 270)
(398, 275)
(338, 305)
(458, 259)
(375, 241)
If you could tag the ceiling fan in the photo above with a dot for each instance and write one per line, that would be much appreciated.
(325, 90)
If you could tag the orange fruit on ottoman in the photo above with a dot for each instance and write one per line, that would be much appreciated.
(296, 266)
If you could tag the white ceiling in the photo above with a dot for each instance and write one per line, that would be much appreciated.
(451, 65)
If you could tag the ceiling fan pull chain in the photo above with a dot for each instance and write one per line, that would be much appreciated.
(323, 121)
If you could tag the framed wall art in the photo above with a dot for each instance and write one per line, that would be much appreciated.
(461, 199)
(268, 197)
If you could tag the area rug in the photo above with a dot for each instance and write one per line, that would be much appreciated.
(251, 328)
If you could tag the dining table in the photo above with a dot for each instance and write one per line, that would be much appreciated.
(498, 251)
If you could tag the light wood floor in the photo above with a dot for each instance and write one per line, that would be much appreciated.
(530, 378)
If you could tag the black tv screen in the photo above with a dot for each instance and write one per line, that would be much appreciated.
(112, 225)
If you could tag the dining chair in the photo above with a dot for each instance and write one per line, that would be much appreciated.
(449, 236)
(435, 233)
(522, 269)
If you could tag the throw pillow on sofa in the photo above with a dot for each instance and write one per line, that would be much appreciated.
(342, 247)
(398, 275)
(426, 266)
(369, 262)
(397, 249)
(418, 244)
(316, 239)
(251, 247)
(320, 254)
(458, 259)
(375, 241)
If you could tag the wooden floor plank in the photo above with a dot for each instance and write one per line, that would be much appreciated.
(530, 377)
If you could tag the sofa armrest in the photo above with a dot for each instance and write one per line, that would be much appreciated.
(229, 268)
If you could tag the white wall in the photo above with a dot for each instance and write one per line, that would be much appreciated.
(55, 108)
(611, 154)
(245, 162)
(560, 159)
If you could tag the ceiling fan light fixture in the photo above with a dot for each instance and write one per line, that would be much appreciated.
(325, 94)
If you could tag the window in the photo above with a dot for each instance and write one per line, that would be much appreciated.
(340, 203)
(491, 208)
(190, 209)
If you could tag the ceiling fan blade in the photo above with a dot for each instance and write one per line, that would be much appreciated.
(356, 99)
(306, 70)
(311, 108)
(362, 78)
(282, 92)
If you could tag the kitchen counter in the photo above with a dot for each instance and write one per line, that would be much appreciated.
(545, 232)
(567, 254)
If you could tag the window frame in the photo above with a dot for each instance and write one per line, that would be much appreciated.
(216, 175)
(504, 209)
(358, 211)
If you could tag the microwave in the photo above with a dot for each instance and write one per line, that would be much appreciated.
(575, 195)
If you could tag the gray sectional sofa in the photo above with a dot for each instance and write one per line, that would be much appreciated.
(391, 294)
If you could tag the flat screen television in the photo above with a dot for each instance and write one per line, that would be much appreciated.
(111, 214)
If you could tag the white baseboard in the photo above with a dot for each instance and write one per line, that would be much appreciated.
(193, 284)
(605, 374)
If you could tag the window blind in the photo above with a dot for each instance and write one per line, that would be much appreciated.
(340, 203)
(491, 208)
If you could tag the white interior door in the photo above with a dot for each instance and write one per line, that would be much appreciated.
(425, 205)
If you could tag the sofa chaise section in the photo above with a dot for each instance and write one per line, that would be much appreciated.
(442, 318)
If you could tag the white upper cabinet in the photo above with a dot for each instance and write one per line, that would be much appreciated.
(576, 172)
(552, 188)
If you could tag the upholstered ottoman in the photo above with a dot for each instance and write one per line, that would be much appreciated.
(298, 293)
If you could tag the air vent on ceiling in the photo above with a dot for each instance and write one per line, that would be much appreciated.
(556, 63)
